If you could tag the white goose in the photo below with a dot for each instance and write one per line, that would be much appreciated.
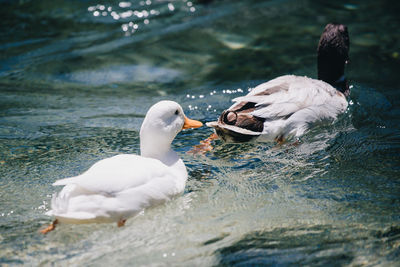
(116, 188)
(289, 105)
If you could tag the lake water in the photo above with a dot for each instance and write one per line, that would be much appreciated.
(77, 77)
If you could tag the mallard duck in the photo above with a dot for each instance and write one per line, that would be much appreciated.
(117, 188)
(289, 105)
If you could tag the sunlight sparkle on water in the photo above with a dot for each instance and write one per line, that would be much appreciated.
(128, 11)
(124, 4)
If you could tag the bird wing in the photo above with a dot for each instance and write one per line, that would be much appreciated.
(116, 174)
(286, 95)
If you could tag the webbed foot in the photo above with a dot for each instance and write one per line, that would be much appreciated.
(50, 228)
(204, 146)
(121, 222)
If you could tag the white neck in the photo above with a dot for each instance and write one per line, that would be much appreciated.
(158, 148)
(152, 147)
(163, 152)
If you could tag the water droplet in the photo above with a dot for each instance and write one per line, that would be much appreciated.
(124, 4)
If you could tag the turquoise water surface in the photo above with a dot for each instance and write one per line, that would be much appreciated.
(77, 78)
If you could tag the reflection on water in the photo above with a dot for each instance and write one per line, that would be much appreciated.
(303, 245)
(76, 79)
(121, 74)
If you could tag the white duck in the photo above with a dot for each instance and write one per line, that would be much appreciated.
(116, 188)
(289, 105)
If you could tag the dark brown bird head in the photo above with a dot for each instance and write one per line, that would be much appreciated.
(333, 55)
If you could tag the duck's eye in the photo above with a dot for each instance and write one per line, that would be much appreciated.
(176, 112)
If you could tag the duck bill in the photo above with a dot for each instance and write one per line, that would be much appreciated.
(191, 124)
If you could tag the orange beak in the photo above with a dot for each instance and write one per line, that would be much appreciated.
(191, 124)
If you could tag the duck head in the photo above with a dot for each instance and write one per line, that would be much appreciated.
(162, 123)
(333, 55)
